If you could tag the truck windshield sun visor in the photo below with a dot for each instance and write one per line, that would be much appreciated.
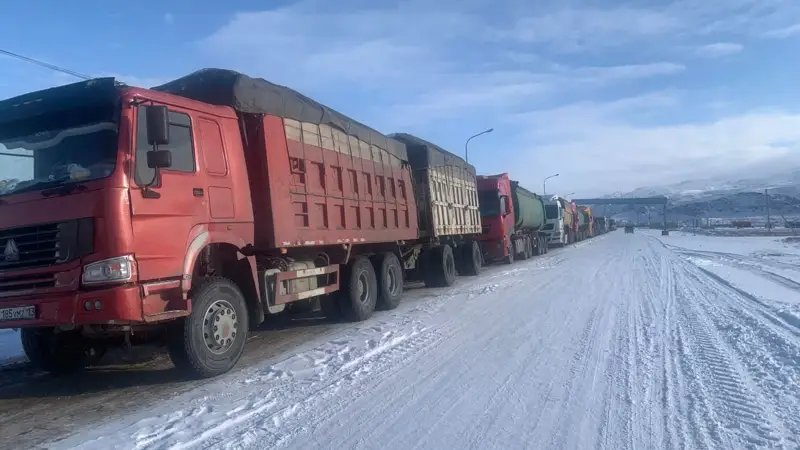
(59, 139)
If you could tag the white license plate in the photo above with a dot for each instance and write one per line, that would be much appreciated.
(20, 313)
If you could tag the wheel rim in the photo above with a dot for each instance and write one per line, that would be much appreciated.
(220, 324)
(392, 280)
(363, 287)
(449, 265)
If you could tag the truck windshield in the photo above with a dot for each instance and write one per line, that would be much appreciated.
(57, 148)
(551, 211)
(489, 203)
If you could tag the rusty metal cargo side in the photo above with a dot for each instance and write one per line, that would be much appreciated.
(445, 189)
(316, 185)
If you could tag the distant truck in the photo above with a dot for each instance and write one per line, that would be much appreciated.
(584, 222)
(612, 224)
(562, 221)
(198, 207)
(512, 219)
(742, 224)
(600, 226)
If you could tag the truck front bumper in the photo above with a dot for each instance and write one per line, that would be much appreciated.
(114, 305)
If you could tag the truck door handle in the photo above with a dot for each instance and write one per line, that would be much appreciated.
(197, 192)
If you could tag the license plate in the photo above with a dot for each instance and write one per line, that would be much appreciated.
(20, 313)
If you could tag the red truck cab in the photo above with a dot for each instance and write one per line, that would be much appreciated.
(497, 217)
(100, 235)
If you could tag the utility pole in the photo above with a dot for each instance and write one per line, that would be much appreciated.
(544, 183)
(466, 144)
(766, 197)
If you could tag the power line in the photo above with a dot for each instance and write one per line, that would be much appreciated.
(44, 64)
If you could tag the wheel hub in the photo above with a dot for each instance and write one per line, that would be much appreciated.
(363, 290)
(220, 324)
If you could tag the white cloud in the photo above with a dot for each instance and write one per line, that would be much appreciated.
(605, 149)
(410, 55)
(579, 29)
(416, 67)
(624, 72)
(572, 29)
(719, 49)
(785, 32)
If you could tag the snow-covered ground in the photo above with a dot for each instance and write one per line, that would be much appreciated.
(10, 348)
(621, 342)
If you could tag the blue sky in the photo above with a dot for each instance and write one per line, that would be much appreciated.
(611, 95)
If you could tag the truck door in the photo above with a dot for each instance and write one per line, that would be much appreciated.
(164, 214)
(213, 154)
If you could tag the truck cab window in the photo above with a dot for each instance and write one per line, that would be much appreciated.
(180, 144)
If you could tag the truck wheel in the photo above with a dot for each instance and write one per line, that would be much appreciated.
(441, 270)
(57, 353)
(210, 341)
(471, 259)
(510, 258)
(528, 248)
(358, 294)
(545, 245)
(390, 281)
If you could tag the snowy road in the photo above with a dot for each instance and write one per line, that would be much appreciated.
(623, 342)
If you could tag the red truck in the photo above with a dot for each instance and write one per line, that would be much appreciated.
(198, 207)
(512, 218)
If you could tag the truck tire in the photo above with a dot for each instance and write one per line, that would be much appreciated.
(545, 245)
(57, 353)
(358, 294)
(471, 259)
(390, 281)
(441, 267)
(510, 258)
(210, 341)
(528, 253)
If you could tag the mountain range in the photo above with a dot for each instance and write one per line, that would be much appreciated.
(721, 197)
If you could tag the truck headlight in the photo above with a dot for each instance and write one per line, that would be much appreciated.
(114, 270)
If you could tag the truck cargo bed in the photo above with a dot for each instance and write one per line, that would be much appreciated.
(444, 187)
(316, 176)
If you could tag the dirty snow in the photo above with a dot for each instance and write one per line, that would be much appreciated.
(622, 342)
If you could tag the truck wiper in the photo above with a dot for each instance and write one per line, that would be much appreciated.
(64, 189)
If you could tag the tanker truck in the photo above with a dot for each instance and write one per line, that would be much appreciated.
(529, 218)
(512, 219)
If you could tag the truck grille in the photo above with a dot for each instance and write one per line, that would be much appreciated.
(30, 247)
(26, 283)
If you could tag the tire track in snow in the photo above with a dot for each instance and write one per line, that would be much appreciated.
(720, 389)
(301, 388)
(769, 351)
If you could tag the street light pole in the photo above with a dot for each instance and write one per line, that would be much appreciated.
(466, 144)
(544, 183)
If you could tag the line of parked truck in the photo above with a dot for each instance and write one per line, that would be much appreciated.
(192, 210)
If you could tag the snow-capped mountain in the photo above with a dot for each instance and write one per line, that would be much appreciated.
(722, 197)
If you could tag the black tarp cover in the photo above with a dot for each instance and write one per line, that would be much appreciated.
(424, 154)
(259, 96)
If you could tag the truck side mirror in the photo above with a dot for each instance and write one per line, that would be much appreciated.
(159, 159)
(157, 125)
